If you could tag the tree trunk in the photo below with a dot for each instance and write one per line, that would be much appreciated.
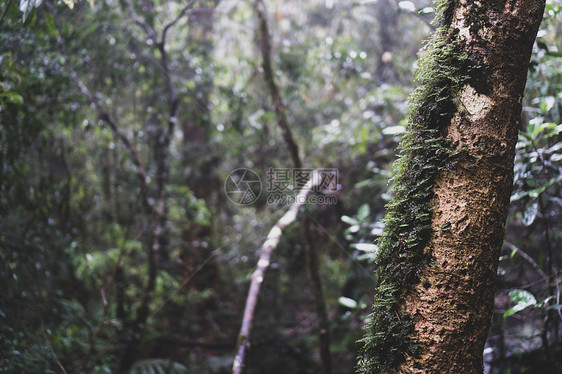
(444, 228)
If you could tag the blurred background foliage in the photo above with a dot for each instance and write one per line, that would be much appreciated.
(77, 226)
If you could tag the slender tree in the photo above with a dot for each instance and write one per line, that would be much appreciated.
(444, 228)
(308, 235)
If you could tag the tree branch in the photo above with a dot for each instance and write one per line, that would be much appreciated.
(265, 252)
(51, 348)
(111, 122)
(97, 331)
(157, 210)
(528, 258)
(149, 31)
(5, 11)
(182, 13)
(308, 239)
(265, 48)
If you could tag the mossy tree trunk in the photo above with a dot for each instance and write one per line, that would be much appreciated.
(444, 228)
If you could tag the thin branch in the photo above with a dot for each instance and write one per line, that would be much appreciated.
(163, 142)
(182, 13)
(111, 122)
(280, 112)
(149, 31)
(157, 210)
(549, 271)
(532, 284)
(111, 282)
(265, 252)
(96, 332)
(172, 97)
(308, 239)
(5, 11)
(51, 347)
(526, 257)
(184, 283)
(161, 157)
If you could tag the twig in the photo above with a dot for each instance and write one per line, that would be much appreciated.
(176, 20)
(5, 11)
(531, 284)
(265, 48)
(111, 122)
(149, 31)
(118, 265)
(96, 332)
(184, 283)
(51, 347)
(526, 257)
(265, 252)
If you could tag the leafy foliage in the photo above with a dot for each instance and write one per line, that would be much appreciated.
(75, 234)
(522, 299)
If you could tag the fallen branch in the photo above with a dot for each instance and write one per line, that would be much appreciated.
(265, 251)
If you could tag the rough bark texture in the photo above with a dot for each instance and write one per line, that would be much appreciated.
(444, 227)
(453, 302)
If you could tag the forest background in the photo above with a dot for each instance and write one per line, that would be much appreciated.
(125, 245)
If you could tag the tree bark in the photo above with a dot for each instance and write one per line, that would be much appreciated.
(472, 82)
(453, 303)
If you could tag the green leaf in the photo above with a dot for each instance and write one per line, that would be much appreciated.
(523, 299)
(365, 247)
(394, 130)
(364, 212)
(347, 302)
(12, 97)
(354, 228)
(349, 220)
(530, 213)
(27, 6)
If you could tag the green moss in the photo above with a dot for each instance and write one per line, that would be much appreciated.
(424, 151)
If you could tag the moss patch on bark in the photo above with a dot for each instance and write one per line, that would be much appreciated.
(443, 71)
